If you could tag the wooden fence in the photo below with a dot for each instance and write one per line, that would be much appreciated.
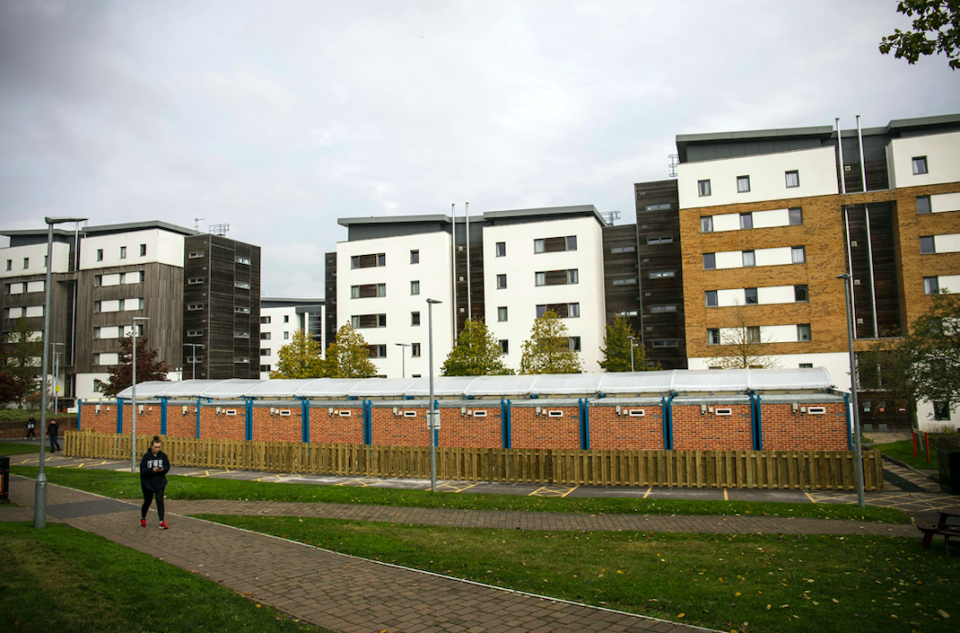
(780, 470)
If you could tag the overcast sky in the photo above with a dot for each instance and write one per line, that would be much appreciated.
(280, 117)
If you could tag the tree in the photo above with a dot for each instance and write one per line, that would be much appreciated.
(477, 353)
(148, 367)
(348, 356)
(616, 349)
(547, 351)
(740, 346)
(21, 357)
(300, 358)
(940, 19)
(934, 342)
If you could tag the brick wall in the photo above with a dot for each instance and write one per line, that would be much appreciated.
(148, 421)
(608, 430)
(529, 430)
(103, 422)
(180, 425)
(276, 427)
(230, 427)
(782, 429)
(327, 429)
(469, 431)
(398, 430)
(693, 430)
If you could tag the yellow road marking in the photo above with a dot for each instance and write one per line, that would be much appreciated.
(725, 497)
(810, 497)
(647, 492)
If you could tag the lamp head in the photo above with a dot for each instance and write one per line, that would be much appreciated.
(52, 221)
(433, 301)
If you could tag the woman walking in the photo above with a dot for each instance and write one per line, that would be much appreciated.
(153, 470)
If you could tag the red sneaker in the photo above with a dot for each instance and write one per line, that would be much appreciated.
(143, 523)
(163, 525)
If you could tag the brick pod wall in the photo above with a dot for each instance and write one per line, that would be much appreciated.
(471, 431)
(103, 422)
(609, 430)
(333, 429)
(228, 427)
(693, 430)
(274, 427)
(180, 425)
(783, 430)
(148, 421)
(399, 430)
(529, 430)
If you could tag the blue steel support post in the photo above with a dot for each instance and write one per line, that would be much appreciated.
(584, 425)
(198, 418)
(305, 417)
(367, 430)
(753, 422)
(759, 417)
(846, 400)
(79, 412)
(668, 423)
(163, 417)
(436, 432)
(249, 407)
(119, 416)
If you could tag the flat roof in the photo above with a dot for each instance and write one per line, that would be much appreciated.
(579, 209)
(394, 219)
(108, 228)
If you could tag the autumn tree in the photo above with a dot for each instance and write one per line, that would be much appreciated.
(300, 358)
(20, 355)
(739, 346)
(477, 353)
(936, 29)
(348, 356)
(548, 351)
(149, 368)
(616, 349)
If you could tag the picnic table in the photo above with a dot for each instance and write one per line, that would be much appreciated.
(948, 527)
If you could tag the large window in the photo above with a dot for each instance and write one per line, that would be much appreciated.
(711, 298)
(931, 285)
(798, 255)
(368, 261)
(750, 296)
(555, 244)
(749, 259)
(660, 240)
(793, 178)
(796, 216)
(368, 320)
(703, 186)
(366, 291)
(803, 332)
(414, 287)
(562, 310)
(501, 282)
(706, 224)
(801, 293)
(923, 204)
(927, 245)
(502, 313)
(501, 249)
(557, 277)
(919, 164)
(709, 261)
(743, 184)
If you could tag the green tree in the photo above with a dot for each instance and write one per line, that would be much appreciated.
(741, 345)
(477, 353)
(348, 356)
(616, 349)
(936, 29)
(547, 351)
(149, 368)
(300, 358)
(21, 357)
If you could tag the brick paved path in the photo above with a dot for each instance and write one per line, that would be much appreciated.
(331, 590)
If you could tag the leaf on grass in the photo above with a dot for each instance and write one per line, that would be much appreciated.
(943, 614)
(682, 615)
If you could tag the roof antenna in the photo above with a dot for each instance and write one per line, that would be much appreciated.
(196, 224)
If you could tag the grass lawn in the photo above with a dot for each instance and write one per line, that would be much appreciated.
(127, 486)
(19, 449)
(903, 451)
(61, 579)
(728, 582)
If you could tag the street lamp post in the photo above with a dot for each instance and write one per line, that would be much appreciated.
(133, 398)
(193, 358)
(631, 351)
(56, 377)
(432, 415)
(403, 358)
(40, 493)
(854, 404)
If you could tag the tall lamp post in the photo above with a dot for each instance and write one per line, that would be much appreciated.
(56, 376)
(854, 404)
(40, 493)
(133, 398)
(193, 358)
(432, 414)
(631, 351)
(403, 358)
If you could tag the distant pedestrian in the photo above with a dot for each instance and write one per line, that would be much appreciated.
(31, 425)
(153, 479)
(52, 429)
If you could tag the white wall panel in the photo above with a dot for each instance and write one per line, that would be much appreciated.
(35, 286)
(774, 256)
(778, 334)
(731, 297)
(947, 243)
(729, 259)
(35, 253)
(776, 294)
(34, 311)
(773, 217)
(945, 202)
(943, 159)
(726, 222)
(949, 283)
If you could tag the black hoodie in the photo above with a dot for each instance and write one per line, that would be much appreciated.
(150, 480)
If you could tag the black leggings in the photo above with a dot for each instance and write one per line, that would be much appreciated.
(147, 498)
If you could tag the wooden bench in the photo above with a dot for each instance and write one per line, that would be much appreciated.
(949, 530)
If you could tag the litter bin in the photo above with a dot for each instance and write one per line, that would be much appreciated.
(4, 477)
(949, 470)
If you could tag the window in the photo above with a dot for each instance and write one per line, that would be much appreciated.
(501, 249)
(415, 350)
(368, 261)
(931, 285)
(625, 281)
(709, 261)
(368, 320)
(45, 261)
(750, 296)
(573, 310)
(663, 206)
(746, 220)
(502, 313)
(264, 351)
(241, 310)
(196, 255)
(264, 319)
(796, 216)
(192, 281)
(571, 242)
(793, 178)
(193, 333)
(927, 245)
(573, 276)
(941, 411)
(743, 184)
(286, 318)
(665, 342)
(803, 332)
(381, 259)
(244, 285)
(264, 368)
(704, 187)
(286, 336)
(194, 306)
(663, 308)
(265, 336)
(123, 252)
(798, 255)
(242, 260)
(143, 250)
(713, 336)
(99, 254)
(414, 257)
(753, 334)
(574, 343)
(749, 259)
(541, 279)
(919, 165)
(239, 359)
(923, 204)
(801, 293)
(806, 365)
(660, 240)
(706, 224)
(414, 288)
(355, 261)
(26, 263)
(616, 250)
(711, 296)
(501, 282)
(662, 274)
(504, 346)
(10, 264)
(377, 351)
(414, 318)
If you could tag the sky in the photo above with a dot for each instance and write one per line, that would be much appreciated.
(279, 117)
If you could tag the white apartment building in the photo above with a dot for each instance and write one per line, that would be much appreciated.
(280, 319)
